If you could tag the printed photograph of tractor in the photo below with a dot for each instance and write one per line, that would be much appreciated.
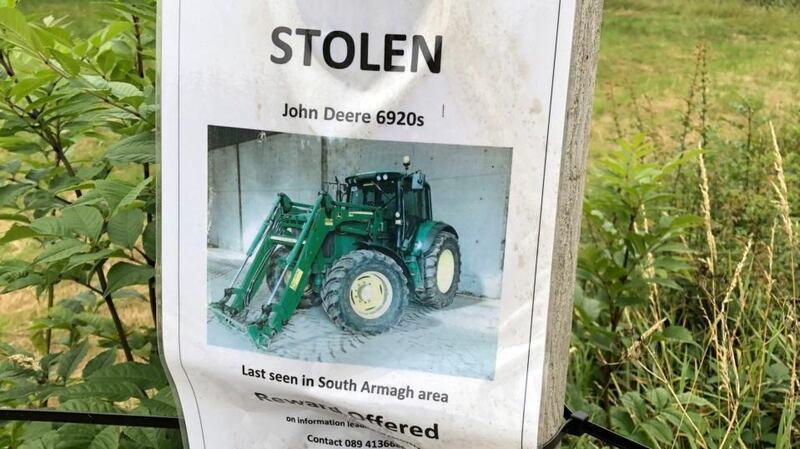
(359, 252)
(362, 252)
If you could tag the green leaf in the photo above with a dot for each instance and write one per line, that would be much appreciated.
(621, 419)
(635, 405)
(11, 371)
(689, 398)
(48, 440)
(88, 405)
(50, 226)
(116, 88)
(142, 436)
(125, 227)
(101, 325)
(28, 85)
(16, 144)
(658, 431)
(677, 334)
(14, 22)
(124, 90)
(17, 232)
(659, 397)
(11, 192)
(93, 258)
(124, 274)
(666, 282)
(113, 391)
(778, 372)
(70, 360)
(73, 187)
(107, 438)
(140, 148)
(90, 198)
(84, 220)
(112, 191)
(76, 436)
(119, 195)
(163, 403)
(11, 167)
(133, 194)
(62, 250)
(15, 217)
(144, 376)
(24, 282)
(113, 30)
(69, 64)
(102, 360)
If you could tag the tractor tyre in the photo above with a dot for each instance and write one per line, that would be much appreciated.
(365, 291)
(442, 271)
(272, 278)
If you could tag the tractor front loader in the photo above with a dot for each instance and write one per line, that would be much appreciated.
(362, 256)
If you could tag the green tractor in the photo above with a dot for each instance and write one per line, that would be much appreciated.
(362, 255)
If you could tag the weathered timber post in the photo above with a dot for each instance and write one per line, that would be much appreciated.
(585, 46)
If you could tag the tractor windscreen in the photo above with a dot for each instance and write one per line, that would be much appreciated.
(374, 193)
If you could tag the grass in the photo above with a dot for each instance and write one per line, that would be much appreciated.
(647, 57)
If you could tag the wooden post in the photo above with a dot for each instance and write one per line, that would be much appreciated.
(585, 46)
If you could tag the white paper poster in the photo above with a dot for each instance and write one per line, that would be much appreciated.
(358, 208)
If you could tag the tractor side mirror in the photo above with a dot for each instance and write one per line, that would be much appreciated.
(417, 181)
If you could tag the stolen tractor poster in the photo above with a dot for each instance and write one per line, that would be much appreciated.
(358, 199)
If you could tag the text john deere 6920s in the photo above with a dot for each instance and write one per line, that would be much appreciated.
(362, 255)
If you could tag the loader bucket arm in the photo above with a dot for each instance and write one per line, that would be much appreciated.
(277, 313)
(271, 233)
(315, 223)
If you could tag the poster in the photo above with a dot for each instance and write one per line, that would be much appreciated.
(358, 202)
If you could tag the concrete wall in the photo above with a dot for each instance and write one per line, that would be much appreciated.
(469, 190)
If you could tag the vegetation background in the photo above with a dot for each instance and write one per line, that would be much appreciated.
(686, 310)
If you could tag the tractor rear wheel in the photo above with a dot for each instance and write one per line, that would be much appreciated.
(442, 271)
(365, 291)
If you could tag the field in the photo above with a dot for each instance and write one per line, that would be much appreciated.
(648, 55)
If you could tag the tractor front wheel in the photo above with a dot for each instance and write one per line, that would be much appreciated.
(442, 271)
(365, 291)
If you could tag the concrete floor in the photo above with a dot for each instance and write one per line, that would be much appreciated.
(460, 340)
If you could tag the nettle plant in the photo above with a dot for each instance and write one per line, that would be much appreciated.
(77, 204)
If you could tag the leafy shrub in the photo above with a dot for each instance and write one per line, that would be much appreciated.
(77, 154)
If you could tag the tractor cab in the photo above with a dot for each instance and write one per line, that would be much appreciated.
(404, 199)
